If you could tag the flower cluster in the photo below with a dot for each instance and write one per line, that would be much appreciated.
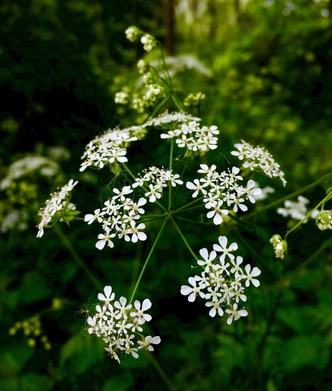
(167, 118)
(157, 179)
(120, 323)
(296, 210)
(58, 207)
(119, 218)
(120, 213)
(109, 148)
(258, 159)
(194, 138)
(221, 191)
(223, 281)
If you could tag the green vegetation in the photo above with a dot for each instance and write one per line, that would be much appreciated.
(257, 70)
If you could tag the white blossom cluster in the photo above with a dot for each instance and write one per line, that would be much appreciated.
(119, 218)
(221, 191)
(107, 148)
(59, 204)
(297, 210)
(157, 179)
(194, 138)
(120, 214)
(119, 324)
(223, 281)
(167, 118)
(258, 159)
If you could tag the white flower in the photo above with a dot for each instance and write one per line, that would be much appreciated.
(208, 258)
(216, 307)
(146, 343)
(197, 187)
(92, 322)
(105, 239)
(108, 295)
(250, 274)
(140, 308)
(122, 306)
(234, 313)
(135, 232)
(217, 213)
(90, 218)
(193, 290)
(252, 192)
(121, 194)
(222, 247)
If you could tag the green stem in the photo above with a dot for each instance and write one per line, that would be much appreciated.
(177, 102)
(158, 368)
(186, 206)
(64, 239)
(170, 167)
(309, 214)
(147, 261)
(183, 238)
(294, 194)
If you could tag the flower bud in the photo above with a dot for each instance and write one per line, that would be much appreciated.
(132, 33)
(279, 246)
(324, 220)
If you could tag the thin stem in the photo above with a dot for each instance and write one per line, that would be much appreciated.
(170, 167)
(147, 261)
(309, 214)
(186, 206)
(183, 238)
(158, 368)
(188, 221)
(177, 102)
(64, 239)
(294, 194)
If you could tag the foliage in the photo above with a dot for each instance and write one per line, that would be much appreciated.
(263, 76)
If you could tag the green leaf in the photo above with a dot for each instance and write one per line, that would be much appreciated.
(122, 382)
(28, 382)
(13, 358)
(79, 354)
(303, 351)
(34, 287)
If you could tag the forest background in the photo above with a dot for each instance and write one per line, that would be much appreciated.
(266, 69)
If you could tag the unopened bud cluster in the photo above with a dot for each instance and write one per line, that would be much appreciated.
(324, 220)
(33, 330)
(194, 99)
(279, 246)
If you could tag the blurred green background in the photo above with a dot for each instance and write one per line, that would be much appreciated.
(266, 69)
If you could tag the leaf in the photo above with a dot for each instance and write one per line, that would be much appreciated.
(34, 287)
(121, 382)
(79, 354)
(28, 382)
(305, 350)
(13, 358)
